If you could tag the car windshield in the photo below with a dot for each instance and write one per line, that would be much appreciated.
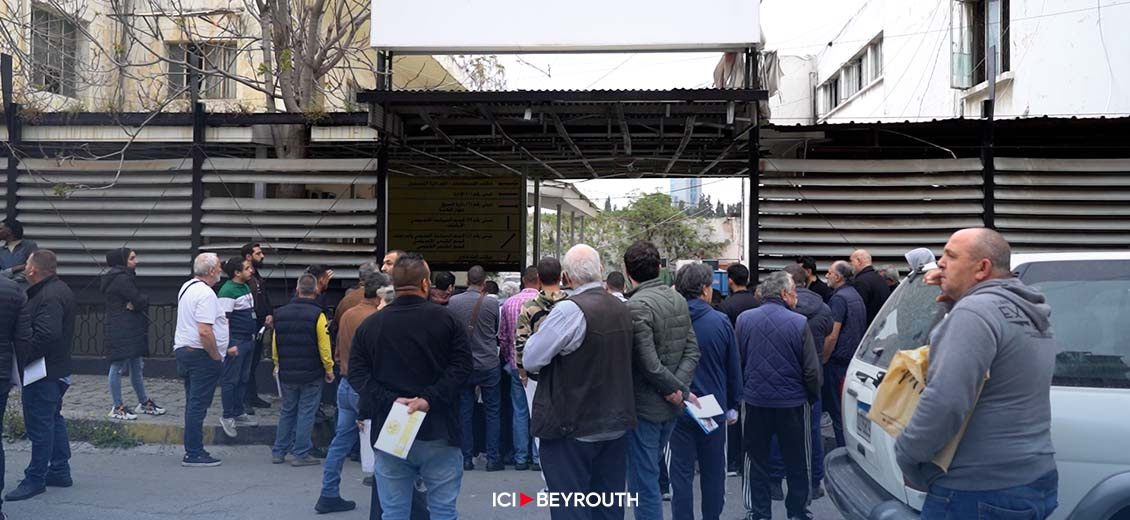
(1090, 302)
(904, 323)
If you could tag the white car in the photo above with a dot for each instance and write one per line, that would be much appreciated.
(1090, 298)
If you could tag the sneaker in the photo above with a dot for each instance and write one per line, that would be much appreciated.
(248, 409)
(334, 505)
(245, 420)
(468, 465)
(306, 460)
(278, 459)
(775, 492)
(522, 467)
(228, 424)
(202, 461)
(149, 408)
(367, 481)
(535, 466)
(120, 413)
(495, 466)
(731, 473)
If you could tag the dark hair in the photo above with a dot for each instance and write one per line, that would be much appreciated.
(118, 257)
(549, 271)
(410, 269)
(44, 260)
(807, 262)
(615, 280)
(16, 227)
(492, 287)
(443, 280)
(476, 275)
(692, 279)
(800, 276)
(642, 261)
(843, 269)
(374, 281)
(530, 276)
(739, 274)
(317, 270)
(248, 249)
(233, 265)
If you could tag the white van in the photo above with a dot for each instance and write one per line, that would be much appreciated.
(1090, 298)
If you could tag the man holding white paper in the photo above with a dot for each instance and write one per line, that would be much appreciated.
(415, 353)
(717, 380)
(51, 307)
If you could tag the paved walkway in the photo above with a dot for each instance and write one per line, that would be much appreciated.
(89, 399)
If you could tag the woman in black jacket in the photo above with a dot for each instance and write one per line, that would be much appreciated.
(126, 327)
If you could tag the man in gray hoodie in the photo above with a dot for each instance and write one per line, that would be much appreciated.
(997, 327)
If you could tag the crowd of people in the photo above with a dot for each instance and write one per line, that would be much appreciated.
(600, 368)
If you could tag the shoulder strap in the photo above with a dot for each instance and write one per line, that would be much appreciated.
(185, 290)
(475, 313)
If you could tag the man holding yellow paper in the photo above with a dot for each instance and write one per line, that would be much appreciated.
(1004, 461)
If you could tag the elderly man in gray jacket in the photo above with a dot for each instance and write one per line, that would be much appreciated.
(1004, 464)
(664, 357)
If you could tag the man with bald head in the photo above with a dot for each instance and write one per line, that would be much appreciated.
(871, 287)
(999, 327)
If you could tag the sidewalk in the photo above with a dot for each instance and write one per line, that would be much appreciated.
(89, 399)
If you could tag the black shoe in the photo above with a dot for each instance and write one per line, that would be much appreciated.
(317, 453)
(468, 465)
(817, 492)
(60, 482)
(775, 492)
(522, 467)
(367, 481)
(24, 491)
(203, 461)
(495, 466)
(535, 467)
(257, 402)
(334, 505)
(248, 409)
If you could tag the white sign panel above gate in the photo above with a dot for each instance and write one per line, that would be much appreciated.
(541, 26)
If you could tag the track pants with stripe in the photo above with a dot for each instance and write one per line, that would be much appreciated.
(791, 426)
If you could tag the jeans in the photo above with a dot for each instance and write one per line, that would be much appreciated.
(573, 466)
(200, 373)
(237, 372)
(644, 444)
(688, 444)
(831, 396)
(791, 426)
(50, 447)
(487, 381)
(521, 420)
(437, 463)
(1031, 501)
(777, 463)
(134, 365)
(296, 419)
(5, 387)
(344, 436)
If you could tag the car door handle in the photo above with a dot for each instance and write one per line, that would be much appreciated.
(864, 376)
(853, 393)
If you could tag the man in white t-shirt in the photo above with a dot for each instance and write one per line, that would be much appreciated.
(200, 345)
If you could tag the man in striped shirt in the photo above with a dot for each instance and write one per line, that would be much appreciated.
(507, 330)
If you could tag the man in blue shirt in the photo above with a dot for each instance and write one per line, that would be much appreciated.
(15, 250)
(849, 315)
(718, 374)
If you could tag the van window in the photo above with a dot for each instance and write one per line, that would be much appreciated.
(904, 323)
(1090, 302)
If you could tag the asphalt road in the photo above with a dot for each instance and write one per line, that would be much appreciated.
(148, 483)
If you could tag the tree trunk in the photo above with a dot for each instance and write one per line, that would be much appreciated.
(291, 142)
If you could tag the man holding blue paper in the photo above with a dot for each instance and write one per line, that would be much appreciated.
(718, 374)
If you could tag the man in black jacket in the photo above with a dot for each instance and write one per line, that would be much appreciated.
(264, 316)
(871, 287)
(15, 338)
(741, 299)
(414, 353)
(51, 307)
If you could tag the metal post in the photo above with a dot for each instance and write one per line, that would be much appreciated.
(198, 143)
(12, 121)
(572, 228)
(524, 234)
(380, 193)
(537, 221)
(988, 172)
(557, 238)
(752, 81)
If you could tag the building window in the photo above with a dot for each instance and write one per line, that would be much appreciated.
(978, 29)
(54, 48)
(215, 63)
(859, 72)
(873, 59)
(852, 78)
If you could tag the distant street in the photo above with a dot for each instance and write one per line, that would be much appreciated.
(148, 483)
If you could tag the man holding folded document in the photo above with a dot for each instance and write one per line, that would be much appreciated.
(51, 307)
(719, 375)
(414, 353)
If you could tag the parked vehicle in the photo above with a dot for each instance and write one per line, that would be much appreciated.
(1090, 298)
